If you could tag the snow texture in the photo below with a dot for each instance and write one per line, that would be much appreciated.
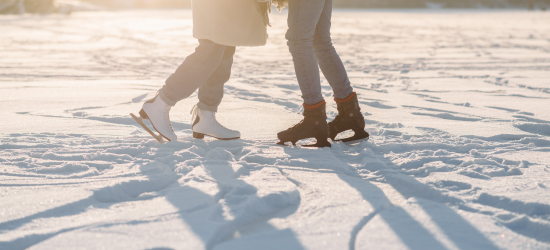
(456, 103)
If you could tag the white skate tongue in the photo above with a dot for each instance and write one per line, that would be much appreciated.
(194, 113)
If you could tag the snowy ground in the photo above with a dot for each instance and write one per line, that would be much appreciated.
(456, 102)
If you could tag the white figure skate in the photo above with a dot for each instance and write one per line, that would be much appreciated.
(157, 112)
(205, 123)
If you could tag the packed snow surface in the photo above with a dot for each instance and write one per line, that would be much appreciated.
(457, 104)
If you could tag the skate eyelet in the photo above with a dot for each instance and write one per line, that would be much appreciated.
(316, 122)
(350, 114)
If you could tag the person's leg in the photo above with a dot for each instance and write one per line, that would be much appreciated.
(330, 63)
(310, 44)
(193, 72)
(349, 113)
(210, 97)
(211, 92)
(303, 16)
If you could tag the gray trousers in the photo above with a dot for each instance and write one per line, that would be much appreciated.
(310, 44)
(207, 69)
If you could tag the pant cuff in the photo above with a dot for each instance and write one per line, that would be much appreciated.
(203, 106)
(165, 98)
(309, 102)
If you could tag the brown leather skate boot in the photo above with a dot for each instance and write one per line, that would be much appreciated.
(349, 117)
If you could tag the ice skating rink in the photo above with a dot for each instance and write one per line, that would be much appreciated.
(457, 104)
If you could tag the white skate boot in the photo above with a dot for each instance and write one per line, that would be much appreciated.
(205, 123)
(157, 111)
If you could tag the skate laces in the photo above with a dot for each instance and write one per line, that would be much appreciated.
(216, 121)
(167, 116)
(166, 110)
(194, 113)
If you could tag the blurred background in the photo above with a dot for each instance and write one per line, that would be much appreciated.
(51, 6)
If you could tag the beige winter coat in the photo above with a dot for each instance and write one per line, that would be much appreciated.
(229, 22)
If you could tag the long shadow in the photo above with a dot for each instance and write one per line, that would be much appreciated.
(409, 231)
(456, 228)
(221, 172)
(73, 208)
(467, 231)
(30, 240)
(101, 198)
(187, 200)
(412, 234)
(460, 231)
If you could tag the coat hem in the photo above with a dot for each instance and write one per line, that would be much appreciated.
(235, 44)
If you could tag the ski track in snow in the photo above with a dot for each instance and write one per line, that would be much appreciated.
(455, 102)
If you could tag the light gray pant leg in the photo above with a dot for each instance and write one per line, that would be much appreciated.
(193, 72)
(310, 44)
(211, 92)
(329, 61)
(303, 16)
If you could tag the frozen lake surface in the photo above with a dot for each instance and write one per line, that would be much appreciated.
(457, 104)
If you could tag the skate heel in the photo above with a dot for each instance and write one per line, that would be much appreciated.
(322, 142)
(198, 135)
(143, 114)
(361, 133)
(332, 133)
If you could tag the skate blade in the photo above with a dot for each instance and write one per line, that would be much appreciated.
(225, 139)
(353, 140)
(316, 145)
(201, 136)
(139, 120)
